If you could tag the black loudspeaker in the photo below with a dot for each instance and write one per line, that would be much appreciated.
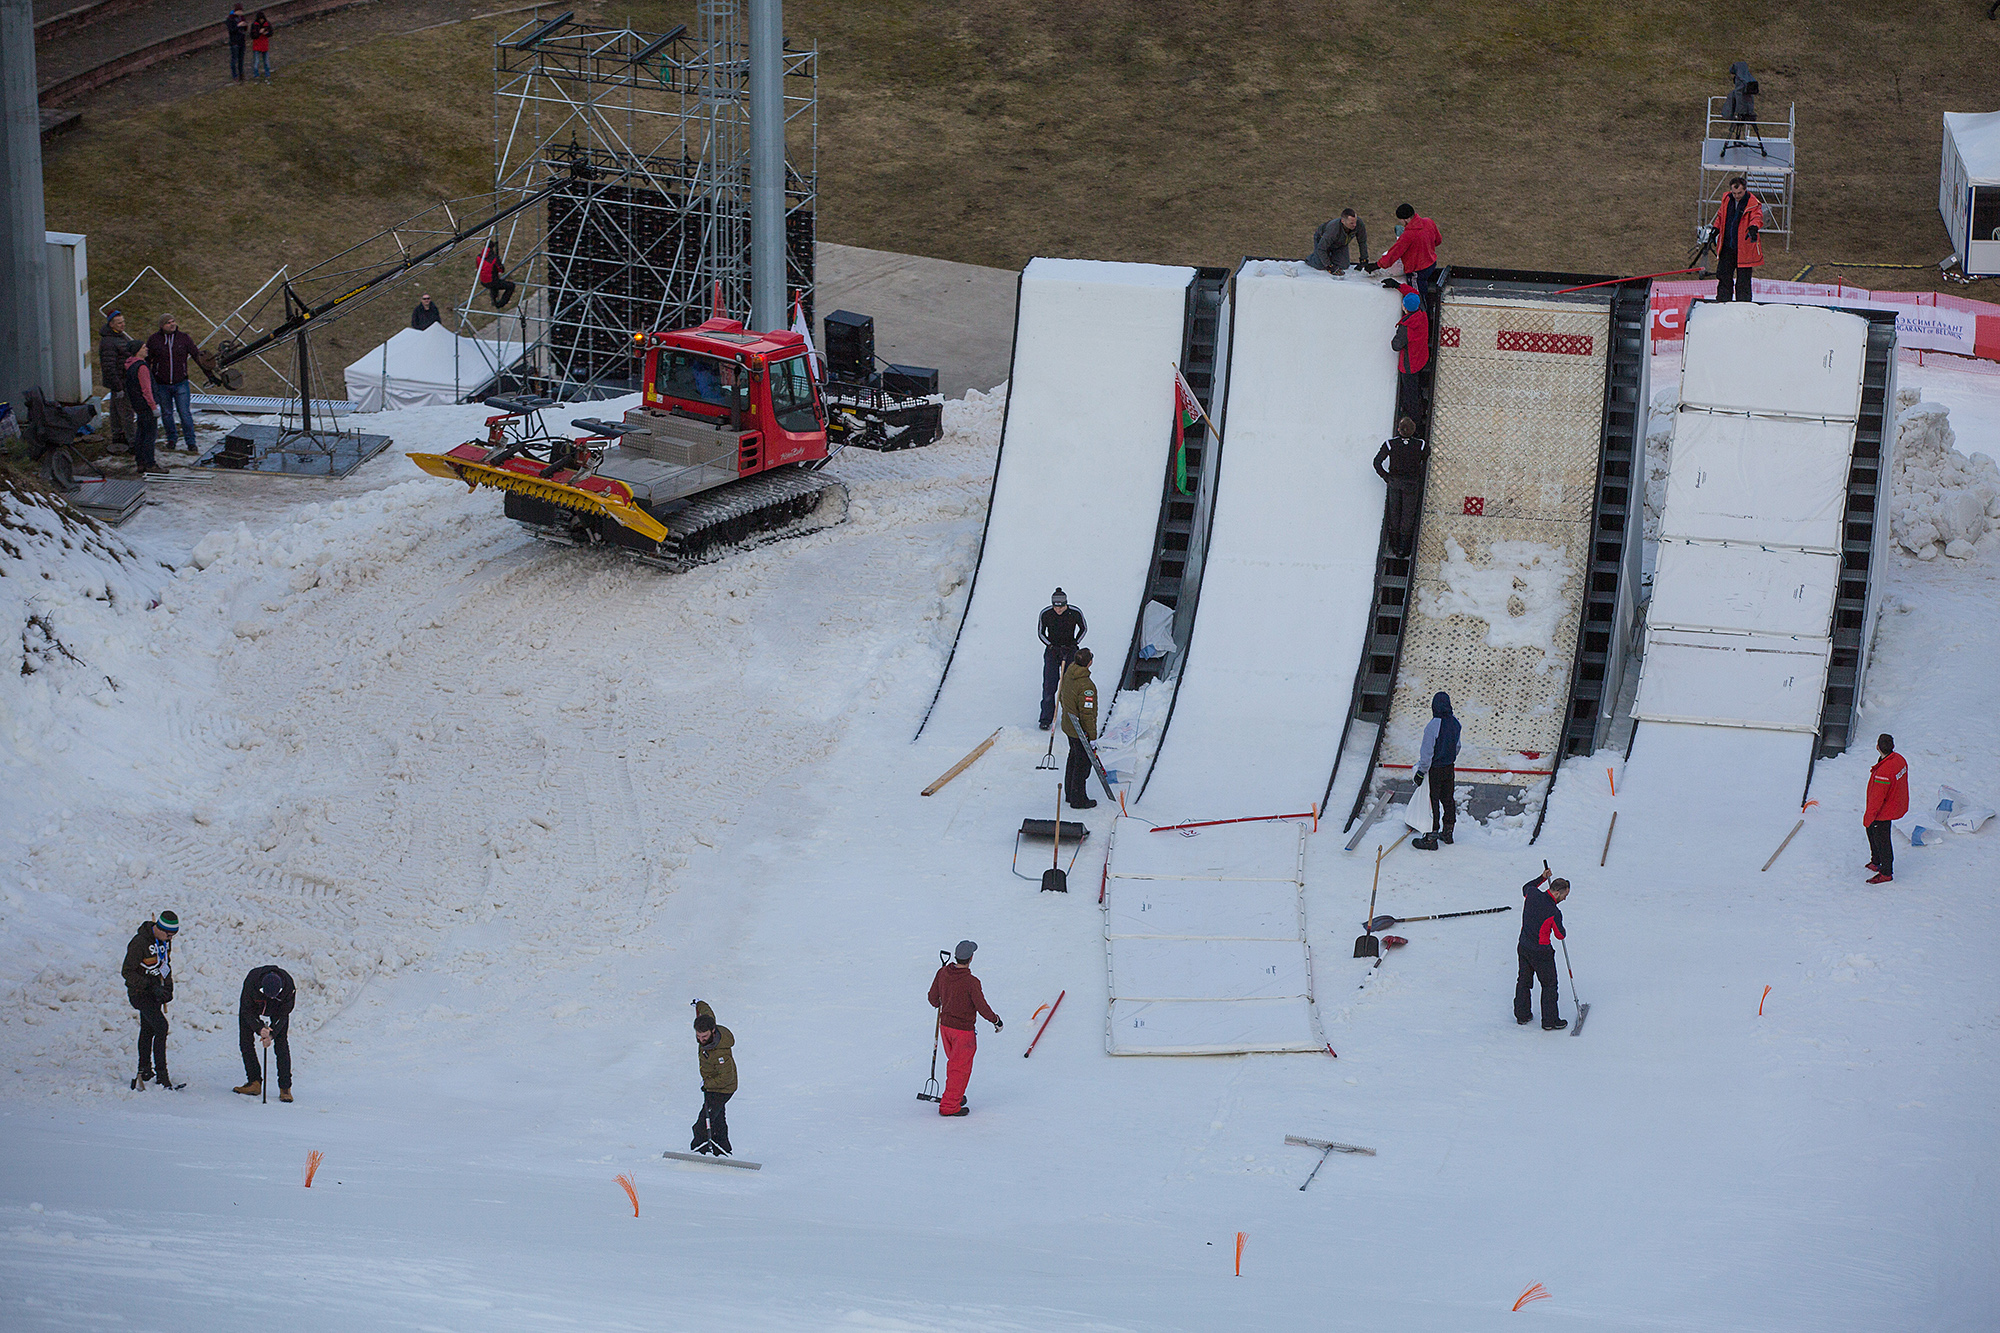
(850, 346)
(914, 380)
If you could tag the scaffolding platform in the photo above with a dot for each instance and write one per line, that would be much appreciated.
(1763, 152)
(276, 451)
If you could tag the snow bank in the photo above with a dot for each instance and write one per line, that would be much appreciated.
(1941, 501)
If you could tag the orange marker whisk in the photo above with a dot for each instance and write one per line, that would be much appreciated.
(1760, 1001)
(1534, 1293)
(313, 1159)
(631, 1192)
(1239, 1254)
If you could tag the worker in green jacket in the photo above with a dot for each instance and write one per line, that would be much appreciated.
(1077, 698)
(714, 1045)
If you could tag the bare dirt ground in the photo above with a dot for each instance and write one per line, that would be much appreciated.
(1558, 135)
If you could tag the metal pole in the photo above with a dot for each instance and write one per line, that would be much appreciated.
(767, 164)
(26, 359)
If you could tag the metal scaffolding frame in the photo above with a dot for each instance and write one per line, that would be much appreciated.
(1763, 152)
(650, 229)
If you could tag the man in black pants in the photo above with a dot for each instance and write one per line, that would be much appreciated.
(1406, 456)
(1078, 699)
(1541, 926)
(265, 1014)
(1062, 628)
(1438, 761)
(713, 1047)
(149, 985)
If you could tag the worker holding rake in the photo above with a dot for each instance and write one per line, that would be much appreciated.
(1541, 926)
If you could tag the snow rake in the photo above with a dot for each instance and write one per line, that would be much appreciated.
(1582, 1009)
(1384, 922)
(931, 1092)
(1326, 1150)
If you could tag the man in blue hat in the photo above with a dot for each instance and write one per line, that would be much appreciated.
(264, 1016)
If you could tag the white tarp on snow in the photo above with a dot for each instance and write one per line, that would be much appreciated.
(1205, 941)
(1707, 585)
(1759, 480)
(1076, 489)
(1733, 679)
(1289, 577)
(429, 367)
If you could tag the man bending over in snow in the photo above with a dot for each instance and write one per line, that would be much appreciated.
(718, 1081)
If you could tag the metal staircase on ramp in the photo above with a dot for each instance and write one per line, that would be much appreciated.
(1174, 580)
(1862, 536)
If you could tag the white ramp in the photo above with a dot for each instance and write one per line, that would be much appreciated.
(1738, 635)
(1076, 489)
(1205, 941)
(1289, 577)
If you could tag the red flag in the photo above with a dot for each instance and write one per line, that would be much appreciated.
(1187, 412)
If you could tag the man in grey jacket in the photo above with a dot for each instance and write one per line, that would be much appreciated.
(1330, 243)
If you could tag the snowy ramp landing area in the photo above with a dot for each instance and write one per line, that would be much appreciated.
(1205, 941)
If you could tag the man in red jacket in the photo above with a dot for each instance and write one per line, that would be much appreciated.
(1416, 246)
(1738, 252)
(1412, 341)
(957, 996)
(1888, 798)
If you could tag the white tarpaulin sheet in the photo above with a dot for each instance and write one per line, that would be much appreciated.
(1795, 359)
(426, 368)
(1204, 941)
(1712, 586)
(1733, 679)
(1289, 577)
(1760, 480)
(1076, 489)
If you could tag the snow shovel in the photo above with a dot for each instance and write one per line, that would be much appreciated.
(1582, 1009)
(1055, 879)
(1365, 944)
(1384, 922)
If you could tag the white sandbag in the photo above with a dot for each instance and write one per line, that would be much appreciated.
(1959, 812)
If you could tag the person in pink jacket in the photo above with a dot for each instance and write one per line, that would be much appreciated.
(145, 409)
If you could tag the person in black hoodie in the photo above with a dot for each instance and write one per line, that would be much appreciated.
(1438, 761)
(149, 985)
(265, 1014)
(1541, 926)
(1062, 628)
(1407, 457)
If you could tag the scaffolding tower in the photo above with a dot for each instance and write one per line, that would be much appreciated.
(1762, 152)
(650, 228)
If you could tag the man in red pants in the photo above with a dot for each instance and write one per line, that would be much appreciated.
(1888, 798)
(958, 997)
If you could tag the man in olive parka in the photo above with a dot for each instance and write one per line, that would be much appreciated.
(1077, 698)
(714, 1046)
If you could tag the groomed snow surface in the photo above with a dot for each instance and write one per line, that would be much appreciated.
(504, 809)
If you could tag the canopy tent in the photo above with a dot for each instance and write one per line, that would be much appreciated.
(427, 367)
(1969, 189)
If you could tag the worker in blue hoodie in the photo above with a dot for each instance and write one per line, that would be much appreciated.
(1437, 761)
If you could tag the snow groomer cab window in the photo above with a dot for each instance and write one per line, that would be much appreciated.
(792, 399)
(695, 378)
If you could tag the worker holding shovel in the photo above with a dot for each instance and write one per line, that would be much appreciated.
(959, 999)
(1541, 926)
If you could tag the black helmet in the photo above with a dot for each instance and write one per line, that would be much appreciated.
(272, 987)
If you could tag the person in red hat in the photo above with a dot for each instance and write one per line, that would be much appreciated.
(1888, 799)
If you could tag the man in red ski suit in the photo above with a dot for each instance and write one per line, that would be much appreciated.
(1541, 926)
(1412, 341)
(957, 996)
(1888, 798)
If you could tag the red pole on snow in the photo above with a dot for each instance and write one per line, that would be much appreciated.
(1045, 1024)
(1247, 819)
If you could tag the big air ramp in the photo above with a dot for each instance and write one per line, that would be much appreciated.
(1076, 488)
(1505, 547)
(1739, 631)
(1257, 715)
(1205, 947)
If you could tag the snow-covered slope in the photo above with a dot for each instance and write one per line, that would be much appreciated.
(506, 809)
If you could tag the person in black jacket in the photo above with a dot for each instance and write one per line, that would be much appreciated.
(149, 985)
(1541, 926)
(264, 1014)
(238, 29)
(425, 314)
(114, 348)
(1407, 457)
(1062, 629)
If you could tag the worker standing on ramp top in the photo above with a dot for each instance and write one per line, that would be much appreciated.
(1415, 247)
(1888, 799)
(1063, 628)
(1078, 697)
(1541, 926)
(1438, 760)
(958, 997)
(1407, 456)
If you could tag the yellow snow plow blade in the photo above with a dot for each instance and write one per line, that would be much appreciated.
(622, 512)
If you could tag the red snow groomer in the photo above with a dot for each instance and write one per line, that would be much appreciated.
(726, 446)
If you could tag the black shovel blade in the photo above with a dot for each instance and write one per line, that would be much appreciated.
(1380, 923)
(1367, 946)
(1055, 880)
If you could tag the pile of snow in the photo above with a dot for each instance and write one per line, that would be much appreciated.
(1663, 413)
(1941, 501)
(1518, 592)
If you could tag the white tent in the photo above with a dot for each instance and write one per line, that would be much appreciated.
(1969, 189)
(426, 367)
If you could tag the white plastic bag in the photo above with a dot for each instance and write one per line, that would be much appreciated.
(1919, 830)
(1156, 630)
(1959, 812)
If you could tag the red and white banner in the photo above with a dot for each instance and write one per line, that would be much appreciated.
(1926, 321)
